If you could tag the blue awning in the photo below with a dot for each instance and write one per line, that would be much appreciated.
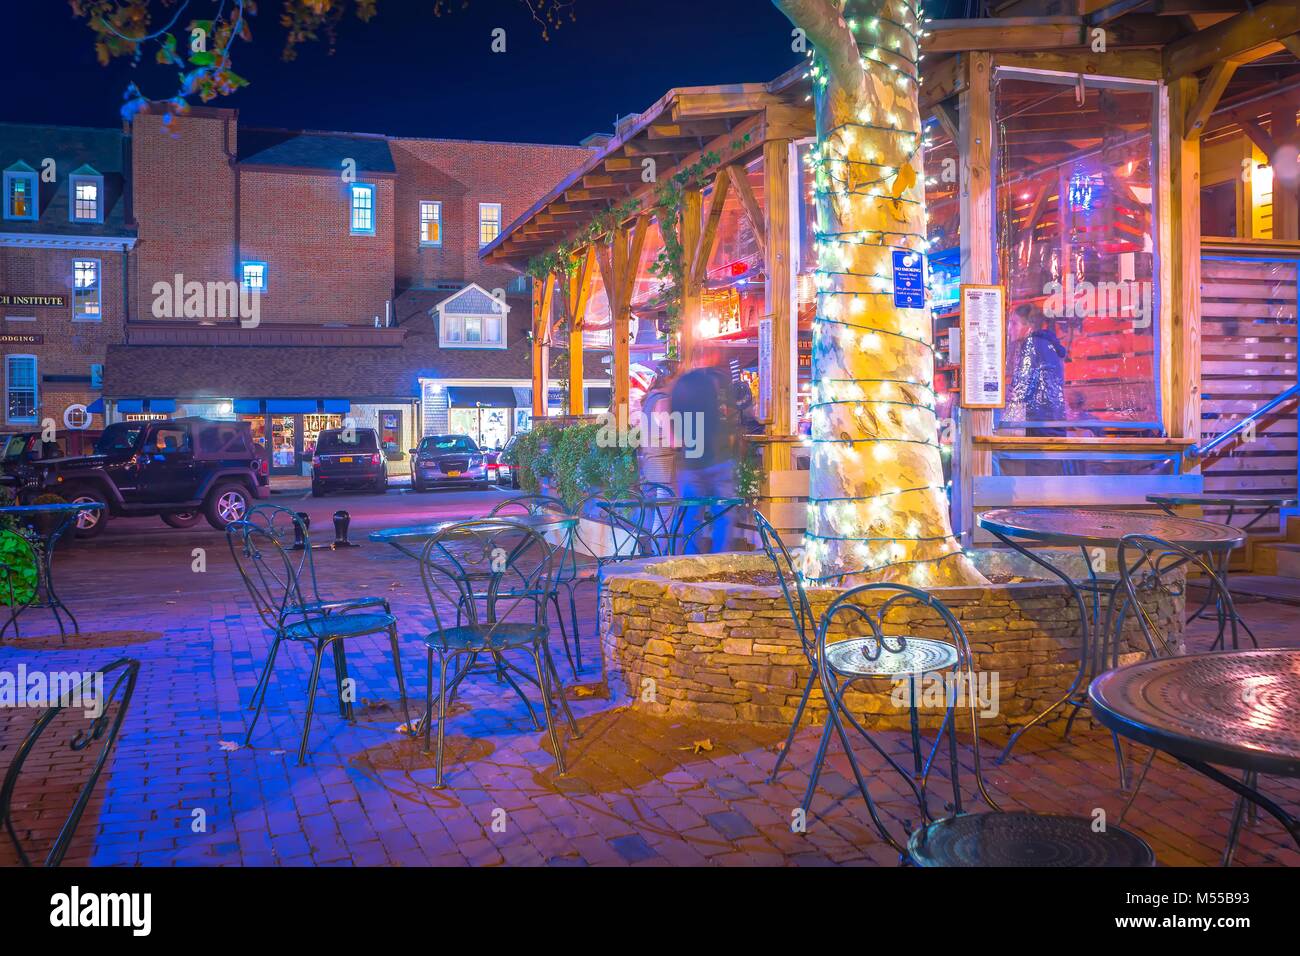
(460, 396)
(336, 406)
(248, 406)
(96, 407)
(162, 406)
(290, 406)
(130, 406)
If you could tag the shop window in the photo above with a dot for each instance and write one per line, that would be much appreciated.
(20, 192)
(85, 290)
(363, 209)
(1219, 209)
(86, 195)
(20, 388)
(489, 222)
(430, 223)
(1076, 250)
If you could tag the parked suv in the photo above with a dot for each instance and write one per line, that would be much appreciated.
(348, 458)
(507, 467)
(181, 469)
(447, 459)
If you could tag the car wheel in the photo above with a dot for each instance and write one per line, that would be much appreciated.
(381, 486)
(181, 519)
(226, 503)
(89, 523)
(418, 487)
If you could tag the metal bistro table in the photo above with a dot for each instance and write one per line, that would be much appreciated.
(1077, 527)
(658, 525)
(404, 538)
(61, 518)
(1267, 505)
(1228, 708)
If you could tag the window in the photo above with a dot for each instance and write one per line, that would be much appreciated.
(253, 276)
(489, 222)
(86, 191)
(473, 328)
(85, 290)
(363, 209)
(20, 192)
(20, 388)
(76, 416)
(96, 377)
(430, 223)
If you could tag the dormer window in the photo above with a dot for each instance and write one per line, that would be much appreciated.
(363, 209)
(20, 195)
(472, 319)
(86, 196)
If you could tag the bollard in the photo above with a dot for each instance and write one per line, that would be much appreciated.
(300, 531)
(341, 521)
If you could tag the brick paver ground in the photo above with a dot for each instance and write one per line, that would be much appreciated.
(641, 791)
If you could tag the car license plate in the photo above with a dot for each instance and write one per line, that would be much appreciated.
(346, 459)
(453, 474)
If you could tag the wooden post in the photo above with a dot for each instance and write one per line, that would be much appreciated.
(543, 293)
(619, 263)
(689, 320)
(1183, 292)
(579, 294)
(975, 148)
(780, 305)
(1286, 196)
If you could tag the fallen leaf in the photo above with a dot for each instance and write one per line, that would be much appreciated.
(699, 747)
(228, 744)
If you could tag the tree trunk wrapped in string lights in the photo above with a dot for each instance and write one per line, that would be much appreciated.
(878, 506)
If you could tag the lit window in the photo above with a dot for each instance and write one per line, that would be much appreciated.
(85, 290)
(363, 208)
(87, 193)
(253, 276)
(489, 222)
(430, 223)
(473, 329)
(20, 388)
(96, 377)
(20, 192)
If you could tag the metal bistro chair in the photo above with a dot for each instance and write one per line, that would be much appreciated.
(532, 505)
(996, 838)
(1146, 565)
(272, 578)
(102, 731)
(505, 614)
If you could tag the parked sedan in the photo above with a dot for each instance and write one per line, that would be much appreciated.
(348, 458)
(447, 459)
(507, 471)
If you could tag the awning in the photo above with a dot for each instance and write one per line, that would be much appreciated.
(598, 398)
(461, 396)
(291, 406)
(130, 406)
(162, 406)
(336, 406)
(248, 406)
(96, 407)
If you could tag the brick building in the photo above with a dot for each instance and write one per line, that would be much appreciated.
(292, 279)
(66, 239)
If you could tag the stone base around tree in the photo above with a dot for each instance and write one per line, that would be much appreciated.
(691, 636)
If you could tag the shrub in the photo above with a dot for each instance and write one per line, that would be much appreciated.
(572, 462)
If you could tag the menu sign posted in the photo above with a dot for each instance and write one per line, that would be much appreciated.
(18, 300)
(909, 279)
(983, 346)
(764, 370)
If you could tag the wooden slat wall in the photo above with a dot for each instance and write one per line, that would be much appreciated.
(1248, 356)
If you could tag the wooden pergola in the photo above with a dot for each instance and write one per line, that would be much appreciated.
(1213, 64)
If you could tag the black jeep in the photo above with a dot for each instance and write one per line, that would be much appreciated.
(179, 469)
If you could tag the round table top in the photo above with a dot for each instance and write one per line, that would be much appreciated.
(52, 508)
(1205, 498)
(539, 522)
(675, 502)
(1231, 708)
(1106, 528)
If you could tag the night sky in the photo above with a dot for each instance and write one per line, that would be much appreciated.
(410, 73)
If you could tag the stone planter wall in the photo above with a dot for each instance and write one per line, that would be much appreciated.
(678, 641)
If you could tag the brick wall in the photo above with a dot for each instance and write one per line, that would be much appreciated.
(184, 189)
(68, 348)
(317, 271)
(462, 174)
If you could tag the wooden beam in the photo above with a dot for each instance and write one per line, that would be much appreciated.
(699, 256)
(1006, 33)
(1244, 37)
(1292, 43)
(543, 291)
(1208, 98)
(941, 79)
(580, 281)
(749, 201)
(779, 295)
(975, 152)
(620, 260)
(1129, 64)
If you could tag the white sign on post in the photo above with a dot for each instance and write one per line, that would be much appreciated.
(765, 370)
(983, 346)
